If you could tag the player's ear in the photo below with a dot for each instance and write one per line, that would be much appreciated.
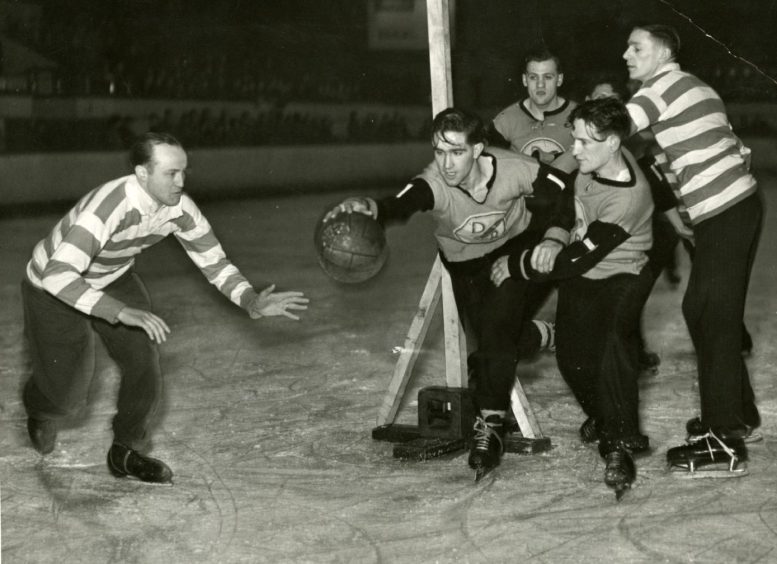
(478, 149)
(524, 80)
(613, 142)
(560, 79)
(141, 172)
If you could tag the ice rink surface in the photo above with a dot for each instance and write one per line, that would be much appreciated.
(267, 424)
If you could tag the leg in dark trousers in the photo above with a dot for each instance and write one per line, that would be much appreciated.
(660, 258)
(714, 306)
(598, 348)
(62, 355)
(137, 357)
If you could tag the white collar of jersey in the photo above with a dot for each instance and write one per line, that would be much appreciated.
(666, 67)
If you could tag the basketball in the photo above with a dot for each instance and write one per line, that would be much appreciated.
(351, 247)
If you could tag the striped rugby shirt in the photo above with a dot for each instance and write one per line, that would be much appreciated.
(690, 125)
(98, 239)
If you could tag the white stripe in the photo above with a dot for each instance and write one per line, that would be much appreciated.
(714, 202)
(404, 190)
(672, 135)
(709, 175)
(589, 244)
(706, 153)
(638, 116)
(695, 95)
(557, 180)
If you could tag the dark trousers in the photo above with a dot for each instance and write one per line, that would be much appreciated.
(499, 319)
(714, 307)
(59, 338)
(661, 255)
(597, 349)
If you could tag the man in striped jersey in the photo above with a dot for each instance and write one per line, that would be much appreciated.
(81, 278)
(719, 201)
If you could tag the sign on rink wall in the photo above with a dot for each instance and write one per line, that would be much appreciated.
(400, 24)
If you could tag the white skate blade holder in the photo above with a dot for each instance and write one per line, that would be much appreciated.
(717, 470)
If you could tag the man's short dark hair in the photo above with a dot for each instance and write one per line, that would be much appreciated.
(539, 54)
(608, 116)
(664, 34)
(460, 121)
(142, 150)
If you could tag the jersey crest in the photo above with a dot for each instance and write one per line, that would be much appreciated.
(482, 228)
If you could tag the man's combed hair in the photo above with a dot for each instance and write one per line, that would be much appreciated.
(539, 54)
(608, 116)
(460, 121)
(142, 150)
(664, 34)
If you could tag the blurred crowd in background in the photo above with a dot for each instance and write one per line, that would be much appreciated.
(160, 55)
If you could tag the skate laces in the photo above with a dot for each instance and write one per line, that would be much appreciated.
(728, 450)
(483, 435)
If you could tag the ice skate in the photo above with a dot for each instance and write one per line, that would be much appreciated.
(124, 462)
(487, 445)
(696, 430)
(620, 471)
(710, 456)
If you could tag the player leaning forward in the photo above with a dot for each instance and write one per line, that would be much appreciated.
(719, 200)
(478, 198)
(81, 278)
(605, 282)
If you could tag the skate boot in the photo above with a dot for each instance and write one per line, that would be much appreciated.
(696, 430)
(711, 455)
(487, 445)
(124, 462)
(620, 471)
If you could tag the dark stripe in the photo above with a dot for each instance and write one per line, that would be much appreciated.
(113, 200)
(84, 239)
(713, 188)
(147, 241)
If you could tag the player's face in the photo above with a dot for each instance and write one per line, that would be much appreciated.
(590, 150)
(163, 179)
(542, 80)
(644, 55)
(455, 157)
(603, 90)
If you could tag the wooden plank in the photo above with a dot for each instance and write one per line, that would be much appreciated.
(523, 412)
(455, 338)
(438, 21)
(412, 346)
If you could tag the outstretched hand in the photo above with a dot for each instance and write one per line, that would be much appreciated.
(268, 303)
(367, 206)
(152, 324)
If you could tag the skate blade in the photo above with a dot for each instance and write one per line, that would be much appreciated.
(481, 473)
(620, 492)
(710, 471)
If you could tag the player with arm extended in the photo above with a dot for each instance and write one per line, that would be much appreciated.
(81, 278)
(604, 282)
(477, 197)
(719, 201)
